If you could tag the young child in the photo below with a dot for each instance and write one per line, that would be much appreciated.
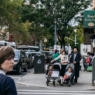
(67, 74)
(49, 71)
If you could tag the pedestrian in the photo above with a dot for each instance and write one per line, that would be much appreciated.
(67, 74)
(75, 59)
(56, 54)
(63, 60)
(7, 85)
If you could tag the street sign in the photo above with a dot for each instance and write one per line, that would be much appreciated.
(89, 18)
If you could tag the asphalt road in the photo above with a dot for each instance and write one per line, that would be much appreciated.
(34, 84)
(32, 90)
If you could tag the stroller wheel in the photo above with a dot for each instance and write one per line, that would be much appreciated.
(69, 83)
(47, 82)
(54, 83)
(59, 81)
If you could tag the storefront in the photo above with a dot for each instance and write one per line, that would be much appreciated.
(89, 28)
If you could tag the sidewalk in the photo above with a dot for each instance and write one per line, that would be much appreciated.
(39, 80)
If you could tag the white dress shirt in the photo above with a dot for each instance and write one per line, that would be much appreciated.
(2, 72)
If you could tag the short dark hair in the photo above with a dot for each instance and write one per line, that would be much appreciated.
(6, 52)
(75, 47)
(56, 50)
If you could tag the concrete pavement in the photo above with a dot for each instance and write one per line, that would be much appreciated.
(39, 80)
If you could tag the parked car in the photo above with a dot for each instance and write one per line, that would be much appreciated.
(48, 56)
(20, 61)
(30, 52)
(6, 43)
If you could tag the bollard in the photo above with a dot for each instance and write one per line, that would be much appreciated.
(93, 71)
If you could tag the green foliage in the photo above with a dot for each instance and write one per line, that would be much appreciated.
(63, 11)
(39, 20)
(9, 11)
(10, 15)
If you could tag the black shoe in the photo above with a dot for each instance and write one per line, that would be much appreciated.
(75, 81)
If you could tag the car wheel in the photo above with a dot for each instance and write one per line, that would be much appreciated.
(47, 82)
(54, 83)
(31, 61)
(19, 70)
(25, 69)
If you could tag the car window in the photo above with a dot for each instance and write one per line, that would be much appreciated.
(17, 54)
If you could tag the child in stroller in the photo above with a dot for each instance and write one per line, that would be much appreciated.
(53, 73)
(68, 76)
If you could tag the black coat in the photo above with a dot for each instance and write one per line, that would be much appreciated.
(77, 65)
(77, 58)
(7, 85)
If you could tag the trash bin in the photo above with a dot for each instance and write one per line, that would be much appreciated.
(39, 61)
(93, 71)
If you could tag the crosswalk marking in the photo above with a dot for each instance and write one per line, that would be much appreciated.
(56, 91)
(53, 92)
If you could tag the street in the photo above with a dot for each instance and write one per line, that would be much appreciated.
(35, 84)
(38, 33)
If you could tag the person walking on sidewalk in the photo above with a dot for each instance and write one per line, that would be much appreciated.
(75, 59)
(7, 85)
(63, 60)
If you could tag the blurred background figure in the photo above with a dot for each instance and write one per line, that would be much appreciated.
(63, 61)
(75, 59)
(88, 61)
(55, 54)
(7, 85)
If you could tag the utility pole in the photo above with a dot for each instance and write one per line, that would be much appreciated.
(55, 36)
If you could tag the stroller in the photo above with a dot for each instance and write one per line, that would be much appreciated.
(53, 74)
(68, 76)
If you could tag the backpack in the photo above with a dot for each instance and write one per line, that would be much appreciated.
(88, 60)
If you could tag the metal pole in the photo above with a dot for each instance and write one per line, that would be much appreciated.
(40, 45)
(55, 36)
(75, 39)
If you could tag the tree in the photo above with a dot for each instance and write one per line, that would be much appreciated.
(35, 16)
(47, 12)
(63, 11)
(9, 11)
(10, 16)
